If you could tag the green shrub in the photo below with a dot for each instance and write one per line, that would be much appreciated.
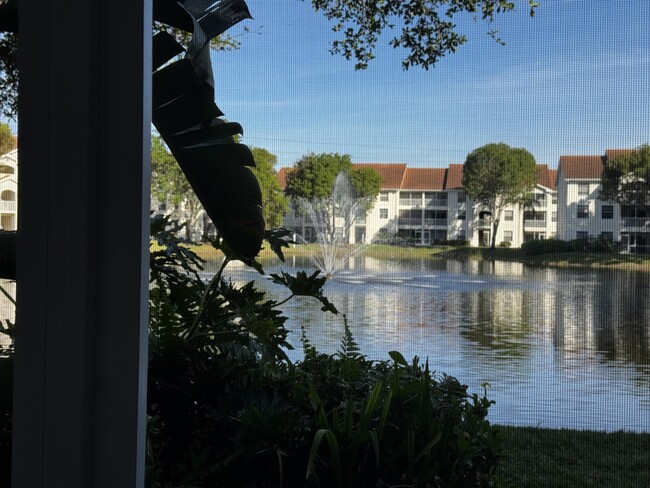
(505, 244)
(588, 244)
(546, 246)
(227, 407)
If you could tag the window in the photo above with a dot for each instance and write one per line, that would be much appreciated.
(383, 213)
(460, 215)
(461, 197)
(507, 236)
(607, 235)
(581, 234)
(607, 212)
(554, 217)
(554, 199)
(508, 215)
(383, 197)
(583, 211)
(583, 189)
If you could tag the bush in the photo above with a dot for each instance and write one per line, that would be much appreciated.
(590, 244)
(227, 408)
(392, 239)
(450, 242)
(505, 244)
(546, 246)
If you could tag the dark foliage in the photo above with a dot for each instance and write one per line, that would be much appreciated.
(227, 408)
(548, 246)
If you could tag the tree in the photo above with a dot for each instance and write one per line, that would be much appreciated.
(7, 139)
(428, 32)
(9, 50)
(497, 175)
(170, 188)
(8, 74)
(274, 202)
(626, 178)
(331, 187)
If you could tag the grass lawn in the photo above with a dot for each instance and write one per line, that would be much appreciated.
(575, 459)
(556, 260)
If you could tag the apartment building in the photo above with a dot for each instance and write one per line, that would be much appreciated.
(9, 190)
(584, 214)
(430, 204)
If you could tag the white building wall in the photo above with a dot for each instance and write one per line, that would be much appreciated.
(572, 199)
(9, 190)
(385, 215)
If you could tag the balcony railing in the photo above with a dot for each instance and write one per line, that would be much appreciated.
(435, 202)
(534, 223)
(484, 222)
(636, 222)
(6, 206)
(409, 221)
(407, 202)
(435, 222)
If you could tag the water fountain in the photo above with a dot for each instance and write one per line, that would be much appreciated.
(332, 218)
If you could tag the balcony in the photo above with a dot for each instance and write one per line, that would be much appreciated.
(484, 222)
(407, 202)
(409, 221)
(534, 223)
(435, 202)
(435, 222)
(636, 222)
(8, 207)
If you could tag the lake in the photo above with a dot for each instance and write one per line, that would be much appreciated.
(560, 348)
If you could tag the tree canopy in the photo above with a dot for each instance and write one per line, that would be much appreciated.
(7, 139)
(9, 65)
(314, 180)
(274, 202)
(428, 31)
(314, 176)
(626, 178)
(170, 187)
(497, 175)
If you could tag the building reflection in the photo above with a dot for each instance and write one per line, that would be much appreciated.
(503, 308)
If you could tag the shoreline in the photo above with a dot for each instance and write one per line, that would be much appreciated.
(575, 260)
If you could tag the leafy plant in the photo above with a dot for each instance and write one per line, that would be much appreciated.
(227, 407)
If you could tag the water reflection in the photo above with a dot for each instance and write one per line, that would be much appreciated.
(561, 348)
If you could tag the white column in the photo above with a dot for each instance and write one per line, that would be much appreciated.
(82, 263)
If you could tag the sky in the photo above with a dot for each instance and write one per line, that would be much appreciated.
(572, 80)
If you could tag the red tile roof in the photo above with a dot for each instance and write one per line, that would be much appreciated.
(545, 176)
(581, 167)
(282, 177)
(454, 177)
(552, 179)
(612, 153)
(424, 179)
(392, 175)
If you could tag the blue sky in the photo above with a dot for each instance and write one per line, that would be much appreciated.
(571, 80)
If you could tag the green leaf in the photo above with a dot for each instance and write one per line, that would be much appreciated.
(277, 239)
(398, 358)
(303, 285)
